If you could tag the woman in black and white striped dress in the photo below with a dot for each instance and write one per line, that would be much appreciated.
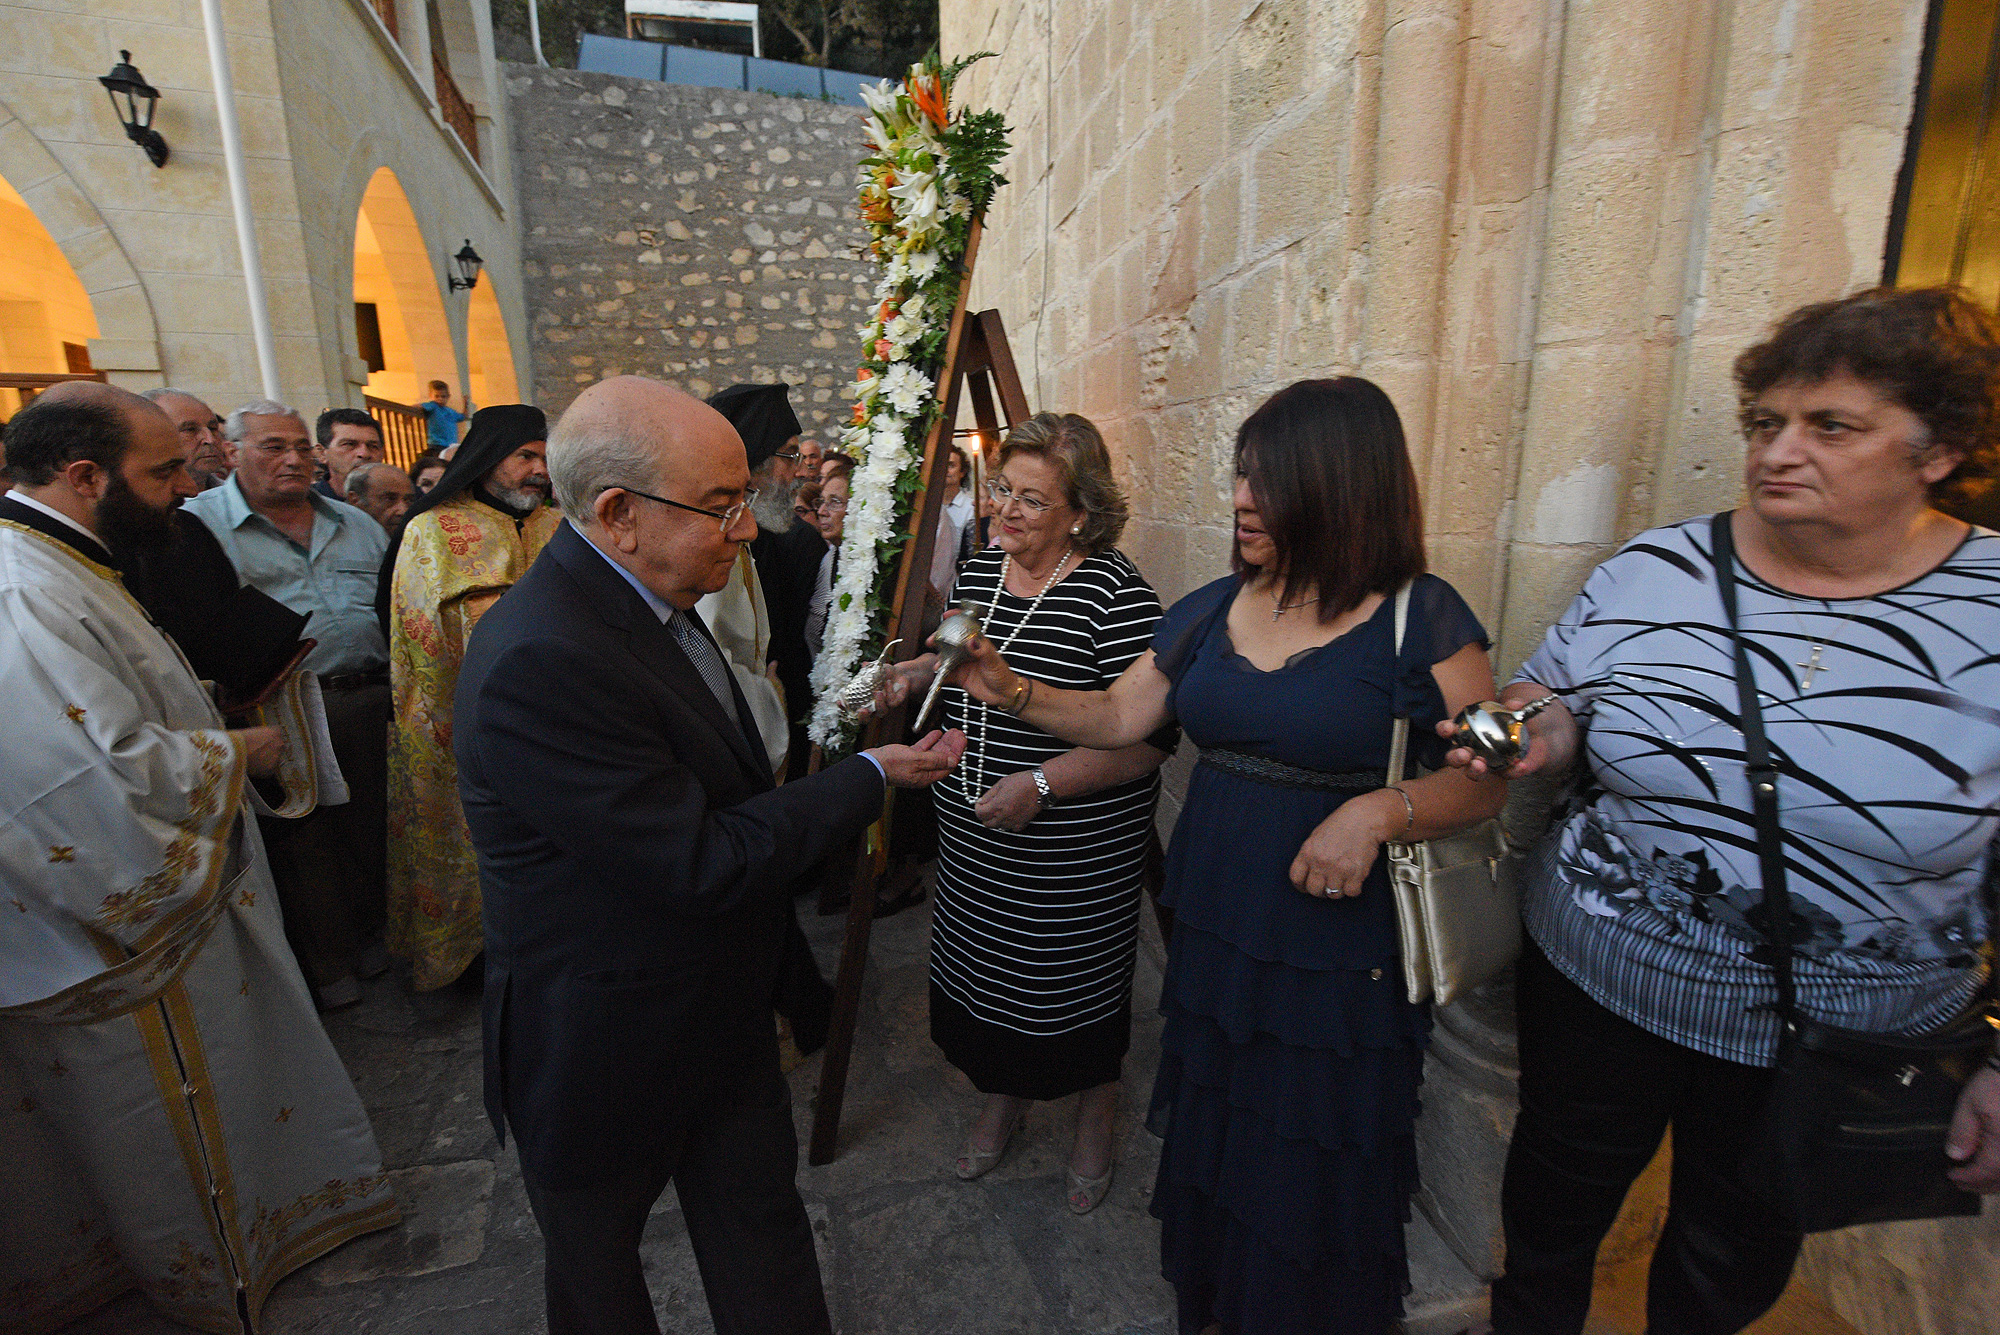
(1041, 845)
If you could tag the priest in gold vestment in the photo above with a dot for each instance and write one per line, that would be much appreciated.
(172, 1116)
(467, 540)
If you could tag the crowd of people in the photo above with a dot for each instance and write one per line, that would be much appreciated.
(549, 746)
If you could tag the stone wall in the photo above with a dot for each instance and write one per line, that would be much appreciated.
(698, 236)
(324, 96)
(1545, 227)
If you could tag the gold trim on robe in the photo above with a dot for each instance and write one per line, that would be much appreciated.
(455, 562)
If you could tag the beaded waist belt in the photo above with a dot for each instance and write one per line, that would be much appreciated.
(1263, 769)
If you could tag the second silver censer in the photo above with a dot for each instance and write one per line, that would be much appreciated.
(960, 628)
(1493, 732)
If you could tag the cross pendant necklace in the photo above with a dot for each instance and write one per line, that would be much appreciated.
(1812, 668)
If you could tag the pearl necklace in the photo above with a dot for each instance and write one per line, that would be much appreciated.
(986, 710)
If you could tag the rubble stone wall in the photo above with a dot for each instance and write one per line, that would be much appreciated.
(698, 236)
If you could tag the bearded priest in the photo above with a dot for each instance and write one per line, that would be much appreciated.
(466, 542)
(173, 1114)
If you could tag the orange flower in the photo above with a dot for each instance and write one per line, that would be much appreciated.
(927, 91)
(864, 374)
(883, 347)
(860, 414)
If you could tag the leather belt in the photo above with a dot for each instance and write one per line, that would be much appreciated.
(355, 681)
(1263, 769)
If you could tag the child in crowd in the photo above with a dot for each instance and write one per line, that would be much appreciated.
(444, 419)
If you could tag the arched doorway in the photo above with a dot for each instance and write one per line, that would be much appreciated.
(46, 320)
(489, 358)
(399, 319)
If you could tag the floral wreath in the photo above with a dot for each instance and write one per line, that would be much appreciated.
(927, 177)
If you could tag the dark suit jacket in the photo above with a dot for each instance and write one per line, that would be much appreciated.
(635, 864)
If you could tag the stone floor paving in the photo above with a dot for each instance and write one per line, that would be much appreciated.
(906, 1248)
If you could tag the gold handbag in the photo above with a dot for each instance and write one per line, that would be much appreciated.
(1458, 916)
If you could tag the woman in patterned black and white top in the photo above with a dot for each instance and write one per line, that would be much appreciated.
(1041, 846)
(1872, 620)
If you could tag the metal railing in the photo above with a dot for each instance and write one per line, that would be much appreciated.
(24, 387)
(457, 111)
(405, 430)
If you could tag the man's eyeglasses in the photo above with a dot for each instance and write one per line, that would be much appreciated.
(1002, 493)
(728, 517)
(790, 458)
(275, 449)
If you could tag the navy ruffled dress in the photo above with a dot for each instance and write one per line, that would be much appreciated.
(1290, 1059)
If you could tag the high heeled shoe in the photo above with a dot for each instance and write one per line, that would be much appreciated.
(1085, 1193)
(972, 1163)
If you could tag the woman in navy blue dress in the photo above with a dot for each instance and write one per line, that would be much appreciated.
(1290, 1061)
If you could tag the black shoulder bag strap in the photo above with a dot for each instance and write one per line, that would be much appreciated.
(1763, 776)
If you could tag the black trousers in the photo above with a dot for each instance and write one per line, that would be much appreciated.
(734, 1171)
(331, 865)
(1597, 1095)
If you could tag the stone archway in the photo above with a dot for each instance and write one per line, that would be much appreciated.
(489, 355)
(126, 342)
(396, 278)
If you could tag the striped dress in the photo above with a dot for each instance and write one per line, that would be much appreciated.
(1034, 934)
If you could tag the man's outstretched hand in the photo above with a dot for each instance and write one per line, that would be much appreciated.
(924, 763)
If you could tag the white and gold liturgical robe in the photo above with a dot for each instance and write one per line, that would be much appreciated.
(741, 625)
(172, 1116)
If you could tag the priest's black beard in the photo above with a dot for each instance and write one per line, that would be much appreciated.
(128, 524)
(773, 507)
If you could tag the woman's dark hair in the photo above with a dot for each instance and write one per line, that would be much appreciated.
(1931, 349)
(843, 466)
(1333, 483)
(46, 437)
(428, 459)
(1076, 448)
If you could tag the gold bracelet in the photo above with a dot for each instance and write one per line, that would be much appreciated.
(1022, 694)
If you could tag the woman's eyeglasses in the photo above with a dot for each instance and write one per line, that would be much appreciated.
(728, 517)
(833, 503)
(1002, 493)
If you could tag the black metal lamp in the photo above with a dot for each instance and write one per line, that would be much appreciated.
(126, 82)
(467, 263)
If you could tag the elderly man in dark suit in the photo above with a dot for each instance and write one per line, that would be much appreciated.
(634, 861)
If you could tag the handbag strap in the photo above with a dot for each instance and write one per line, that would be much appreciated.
(1762, 773)
(1399, 735)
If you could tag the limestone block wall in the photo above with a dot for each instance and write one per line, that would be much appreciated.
(701, 237)
(323, 97)
(1544, 226)
(358, 99)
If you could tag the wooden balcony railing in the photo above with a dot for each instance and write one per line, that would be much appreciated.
(457, 111)
(26, 386)
(405, 430)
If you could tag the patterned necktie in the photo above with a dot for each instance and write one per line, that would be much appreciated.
(706, 661)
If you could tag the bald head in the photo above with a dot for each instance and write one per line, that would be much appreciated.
(629, 431)
(658, 480)
(76, 420)
(103, 456)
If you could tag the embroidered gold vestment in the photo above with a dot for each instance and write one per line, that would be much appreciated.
(455, 562)
(172, 1114)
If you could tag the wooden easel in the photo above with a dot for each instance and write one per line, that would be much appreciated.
(977, 364)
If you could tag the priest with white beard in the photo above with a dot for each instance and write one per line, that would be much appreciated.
(173, 1115)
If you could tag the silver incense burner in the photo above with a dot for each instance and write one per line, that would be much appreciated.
(858, 696)
(1494, 732)
(960, 627)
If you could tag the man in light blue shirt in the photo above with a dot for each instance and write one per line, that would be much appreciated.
(321, 557)
(313, 554)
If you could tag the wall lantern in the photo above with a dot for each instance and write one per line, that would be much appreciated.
(467, 263)
(127, 82)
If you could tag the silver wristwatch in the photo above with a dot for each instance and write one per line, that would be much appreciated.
(1043, 790)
